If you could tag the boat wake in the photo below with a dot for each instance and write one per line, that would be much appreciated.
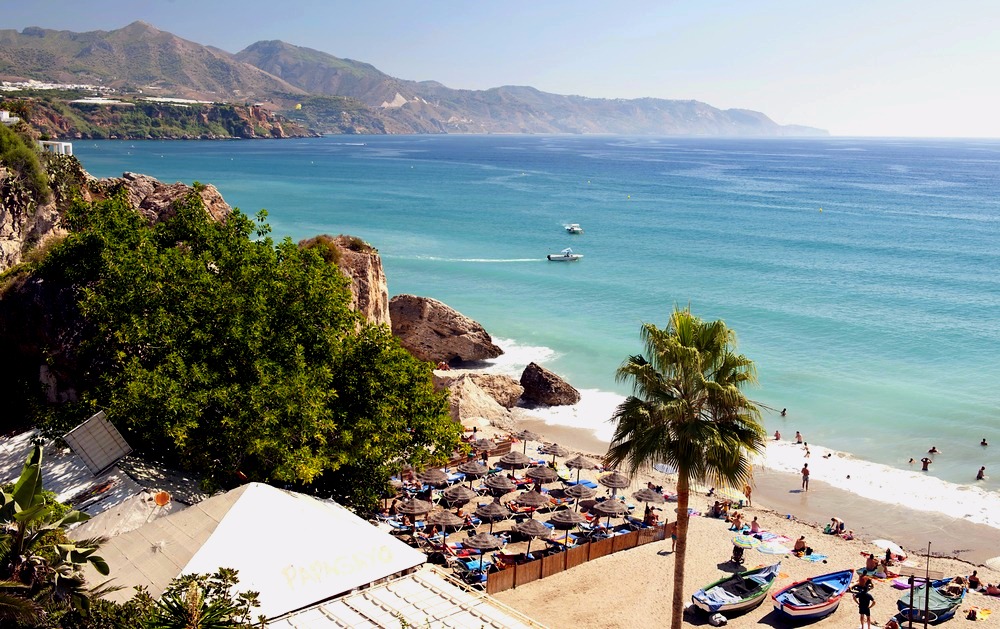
(480, 260)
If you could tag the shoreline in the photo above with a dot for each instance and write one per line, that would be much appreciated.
(779, 492)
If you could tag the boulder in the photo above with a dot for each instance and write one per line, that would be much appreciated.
(361, 263)
(154, 199)
(469, 402)
(433, 331)
(504, 389)
(541, 386)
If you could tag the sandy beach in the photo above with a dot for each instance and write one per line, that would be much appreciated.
(633, 588)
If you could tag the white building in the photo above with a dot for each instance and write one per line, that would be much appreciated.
(7, 119)
(58, 148)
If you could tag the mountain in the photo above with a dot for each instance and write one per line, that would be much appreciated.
(432, 107)
(138, 57)
(335, 95)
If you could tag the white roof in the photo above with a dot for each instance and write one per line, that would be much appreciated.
(426, 598)
(294, 549)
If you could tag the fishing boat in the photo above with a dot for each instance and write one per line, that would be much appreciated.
(737, 593)
(813, 598)
(574, 228)
(945, 599)
(566, 255)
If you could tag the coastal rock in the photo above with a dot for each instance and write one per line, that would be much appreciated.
(469, 402)
(433, 331)
(154, 199)
(541, 386)
(361, 263)
(503, 389)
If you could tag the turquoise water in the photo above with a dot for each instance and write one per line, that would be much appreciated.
(860, 275)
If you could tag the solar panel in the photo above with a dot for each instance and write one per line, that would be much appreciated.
(97, 442)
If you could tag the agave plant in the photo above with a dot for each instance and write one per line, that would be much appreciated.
(33, 568)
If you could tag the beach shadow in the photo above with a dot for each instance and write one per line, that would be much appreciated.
(730, 567)
(664, 553)
(796, 491)
(774, 619)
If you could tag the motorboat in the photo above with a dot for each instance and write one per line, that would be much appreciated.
(566, 255)
(813, 598)
(574, 228)
(737, 593)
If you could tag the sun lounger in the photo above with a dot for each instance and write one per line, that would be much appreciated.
(586, 483)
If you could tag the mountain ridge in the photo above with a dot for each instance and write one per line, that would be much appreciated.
(316, 88)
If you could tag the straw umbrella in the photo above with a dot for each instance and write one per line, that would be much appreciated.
(532, 499)
(434, 477)
(542, 474)
(444, 518)
(648, 495)
(515, 460)
(473, 469)
(555, 450)
(491, 512)
(525, 436)
(612, 507)
(580, 492)
(566, 519)
(482, 542)
(459, 494)
(500, 484)
(483, 444)
(532, 528)
(413, 506)
(579, 462)
(615, 480)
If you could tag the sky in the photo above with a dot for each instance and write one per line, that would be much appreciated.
(914, 68)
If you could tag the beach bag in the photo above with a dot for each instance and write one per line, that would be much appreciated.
(971, 615)
(809, 551)
(717, 620)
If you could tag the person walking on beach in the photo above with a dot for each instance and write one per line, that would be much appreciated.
(747, 490)
(925, 462)
(865, 603)
(805, 477)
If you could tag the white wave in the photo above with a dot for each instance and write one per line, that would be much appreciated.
(515, 358)
(907, 487)
(591, 413)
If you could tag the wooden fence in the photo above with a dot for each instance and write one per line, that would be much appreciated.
(523, 573)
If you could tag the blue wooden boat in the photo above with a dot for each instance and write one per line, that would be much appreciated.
(813, 598)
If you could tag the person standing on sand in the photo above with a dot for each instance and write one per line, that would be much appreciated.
(865, 603)
(925, 462)
(747, 490)
(805, 477)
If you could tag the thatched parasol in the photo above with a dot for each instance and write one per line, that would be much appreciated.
(532, 528)
(533, 499)
(459, 493)
(525, 436)
(615, 480)
(483, 444)
(482, 542)
(413, 506)
(542, 474)
(566, 519)
(613, 507)
(580, 492)
(554, 449)
(473, 469)
(579, 462)
(514, 460)
(500, 484)
(445, 518)
(491, 512)
(434, 477)
(648, 495)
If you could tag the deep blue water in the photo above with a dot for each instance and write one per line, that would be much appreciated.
(859, 274)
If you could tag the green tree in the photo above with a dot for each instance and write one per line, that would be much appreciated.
(688, 409)
(26, 182)
(216, 349)
(202, 601)
(32, 574)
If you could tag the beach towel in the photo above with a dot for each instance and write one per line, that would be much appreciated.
(813, 557)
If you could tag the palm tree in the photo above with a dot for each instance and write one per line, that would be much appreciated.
(687, 409)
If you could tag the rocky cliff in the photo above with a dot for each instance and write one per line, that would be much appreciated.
(361, 263)
(433, 331)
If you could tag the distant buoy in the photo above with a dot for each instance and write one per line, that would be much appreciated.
(630, 196)
(821, 210)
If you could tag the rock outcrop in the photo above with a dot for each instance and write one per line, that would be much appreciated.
(469, 402)
(433, 331)
(541, 386)
(361, 263)
(154, 199)
(504, 389)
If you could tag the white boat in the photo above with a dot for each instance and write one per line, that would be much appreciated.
(574, 228)
(566, 255)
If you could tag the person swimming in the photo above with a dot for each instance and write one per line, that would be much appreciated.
(933, 450)
(983, 442)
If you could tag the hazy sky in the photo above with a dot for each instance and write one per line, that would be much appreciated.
(870, 67)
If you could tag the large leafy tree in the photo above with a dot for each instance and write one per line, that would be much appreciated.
(688, 409)
(224, 352)
(39, 567)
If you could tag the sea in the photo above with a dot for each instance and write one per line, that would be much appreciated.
(860, 275)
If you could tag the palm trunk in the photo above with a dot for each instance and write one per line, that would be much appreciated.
(677, 602)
